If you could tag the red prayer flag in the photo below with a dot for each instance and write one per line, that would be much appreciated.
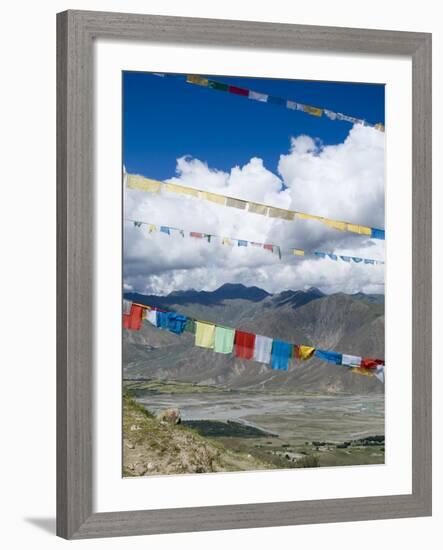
(368, 363)
(133, 321)
(244, 344)
(269, 247)
(196, 235)
(238, 91)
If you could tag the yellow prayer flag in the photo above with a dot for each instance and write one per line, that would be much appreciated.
(305, 352)
(227, 241)
(143, 184)
(152, 228)
(312, 110)
(379, 126)
(181, 189)
(204, 335)
(280, 213)
(195, 79)
(257, 208)
(213, 197)
(236, 203)
(363, 371)
(341, 226)
(360, 229)
(304, 216)
(298, 252)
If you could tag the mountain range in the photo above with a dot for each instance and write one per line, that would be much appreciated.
(352, 324)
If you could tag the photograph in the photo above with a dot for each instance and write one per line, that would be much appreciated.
(253, 268)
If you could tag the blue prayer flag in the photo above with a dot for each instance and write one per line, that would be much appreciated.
(377, 233)
(165, 229)
(329, 356)
(281, 353)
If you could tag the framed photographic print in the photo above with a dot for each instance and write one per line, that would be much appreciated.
(244, 280)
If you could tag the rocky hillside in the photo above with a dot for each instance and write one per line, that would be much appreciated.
(152, 447)
(347, 323)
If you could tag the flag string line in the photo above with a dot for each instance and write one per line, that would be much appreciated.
(337, 358)
(141, 183)
(229, 241)
(271, 99)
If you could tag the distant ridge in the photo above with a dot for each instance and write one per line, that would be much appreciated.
(348, 323)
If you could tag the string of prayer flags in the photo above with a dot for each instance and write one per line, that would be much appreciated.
(245, 345)
(138, 183)
(275, 249)
(279, 101)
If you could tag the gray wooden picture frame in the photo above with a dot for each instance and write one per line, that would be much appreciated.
(76, 32)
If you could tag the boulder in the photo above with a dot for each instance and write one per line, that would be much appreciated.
(169, 416)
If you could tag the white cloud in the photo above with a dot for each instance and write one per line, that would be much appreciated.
(344, 181)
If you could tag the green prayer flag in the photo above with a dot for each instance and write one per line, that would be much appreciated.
(224, 340)
(217, 86)
(190, 326)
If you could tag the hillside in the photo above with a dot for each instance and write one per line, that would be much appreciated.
(348, 323)
(151, 448)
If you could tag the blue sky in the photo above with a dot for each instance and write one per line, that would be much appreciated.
(260, 152)
(166, 118)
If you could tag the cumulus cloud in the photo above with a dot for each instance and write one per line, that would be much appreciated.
(344, 181)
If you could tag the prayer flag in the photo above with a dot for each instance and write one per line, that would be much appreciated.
(313, 110)
(238, 91)
(127, 304)
(262, 349)
(377, 233)
(257, 96)
(151, 316)
(304, 352)
(224, 339)
(204, 335)
(329, 356)
(256, 208)
(195, 79)
(281, 354)
(351, 360)
(281, 213)
(217, 86)
(368, 363)
(361, 229)
(227, 241)
(341, 226)
(242, 243)
(363, 372)
(133, 321)
(165, 229)
(380, 373)
(181, 189)
(213, 197)
(196, 235)
(236, 203)
(330, 114)
(143, 184)
(244, 344)
(298, 252)
(190, 325)
(275, 100)
(152, 228)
